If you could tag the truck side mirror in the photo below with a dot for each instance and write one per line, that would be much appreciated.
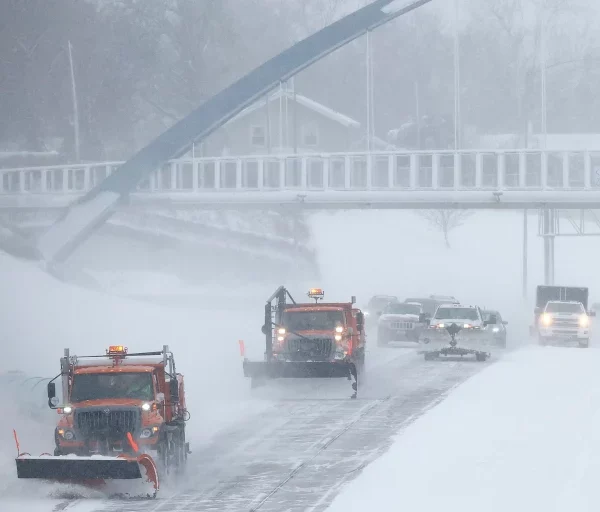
(52, 400)
(592, 313)
(174, 389)
(264, 329)
(360, 320)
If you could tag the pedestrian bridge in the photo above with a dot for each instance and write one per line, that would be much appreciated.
(380, 180)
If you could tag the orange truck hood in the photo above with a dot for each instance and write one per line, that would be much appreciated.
(108, 402)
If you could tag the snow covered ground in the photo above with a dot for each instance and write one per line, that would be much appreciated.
(522, 435)
(40, 316)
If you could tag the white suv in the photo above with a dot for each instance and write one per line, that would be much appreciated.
(564, 321)
(470, 320)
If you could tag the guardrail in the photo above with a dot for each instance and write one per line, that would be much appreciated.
(386, 171)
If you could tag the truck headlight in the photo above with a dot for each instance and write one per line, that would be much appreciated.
(584, 321)
(496, 329)
(339, 328)
(338, 337)
(67, 435)
(146, 433)
(281, 330)
(546, 319)
(146, 407)
(67, 409)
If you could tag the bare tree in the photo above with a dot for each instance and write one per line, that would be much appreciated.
(445, 220)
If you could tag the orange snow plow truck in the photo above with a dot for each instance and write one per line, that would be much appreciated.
(310, 340)
(122, 417)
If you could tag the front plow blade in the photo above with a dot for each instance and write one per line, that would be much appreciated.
(260, 371)
(88, 470)
(296, 370)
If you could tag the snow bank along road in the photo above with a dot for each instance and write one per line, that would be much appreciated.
(297, 453)
(523, 435)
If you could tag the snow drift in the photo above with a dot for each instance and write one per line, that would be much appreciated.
(41, 315)
(522, 435)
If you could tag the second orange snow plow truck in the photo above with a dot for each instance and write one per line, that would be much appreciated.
(117, 409)
(310, 340)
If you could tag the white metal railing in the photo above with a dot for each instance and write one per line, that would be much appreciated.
(440, 170)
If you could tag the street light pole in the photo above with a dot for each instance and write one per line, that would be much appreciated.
(544, 127)
(457, 141)
(75, 106)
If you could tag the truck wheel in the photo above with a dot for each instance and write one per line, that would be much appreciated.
(180, 455)
(481, 357)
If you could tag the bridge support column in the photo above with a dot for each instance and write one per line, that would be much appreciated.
(525, 225)
(548, 233)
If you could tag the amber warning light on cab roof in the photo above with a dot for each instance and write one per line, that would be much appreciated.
(116, 350)
(316, 292)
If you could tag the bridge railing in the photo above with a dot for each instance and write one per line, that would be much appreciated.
(439, 170)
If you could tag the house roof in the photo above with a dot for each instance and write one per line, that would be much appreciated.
(305, 102)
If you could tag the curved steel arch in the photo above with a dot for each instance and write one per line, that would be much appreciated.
(99, 204)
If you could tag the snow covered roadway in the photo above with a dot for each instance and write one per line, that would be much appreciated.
(297, 451)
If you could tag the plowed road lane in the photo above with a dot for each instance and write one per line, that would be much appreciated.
(296, 455)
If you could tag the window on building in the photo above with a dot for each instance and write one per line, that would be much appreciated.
(258, 136)
(310, 135)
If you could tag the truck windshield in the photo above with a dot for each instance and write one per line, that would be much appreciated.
(312, 320)
(456, 314)
(402, 309)
(564, 307)
(99, 386)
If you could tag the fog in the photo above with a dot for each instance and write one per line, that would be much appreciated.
(138, 67)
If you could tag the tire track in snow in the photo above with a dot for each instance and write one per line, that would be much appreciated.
(299, 454)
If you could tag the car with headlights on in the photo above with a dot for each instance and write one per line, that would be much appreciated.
(376, 305)
(496, 325)
(472, 334)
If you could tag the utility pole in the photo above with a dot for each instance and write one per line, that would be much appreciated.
(75, 107)
(418, 114)
(543, 56)
(369, 94)
(457, 124)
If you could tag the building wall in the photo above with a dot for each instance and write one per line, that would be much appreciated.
(236, 136)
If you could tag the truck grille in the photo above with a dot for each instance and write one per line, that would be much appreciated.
(117, 421)
(313, 347)
(574, 324)
(402, 325)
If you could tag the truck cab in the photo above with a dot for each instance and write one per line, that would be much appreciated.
(118, 403)
(319, 331)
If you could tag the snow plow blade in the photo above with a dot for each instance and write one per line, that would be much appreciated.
(88, 469)
(295, 370)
